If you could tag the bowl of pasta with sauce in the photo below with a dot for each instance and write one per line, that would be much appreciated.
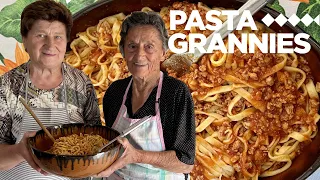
(74, 153)
(256, 114)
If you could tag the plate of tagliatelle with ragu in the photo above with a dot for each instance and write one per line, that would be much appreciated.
(256, 113)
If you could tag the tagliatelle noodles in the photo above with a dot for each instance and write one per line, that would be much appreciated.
(254, 112)
(78, 145)
(96, 53)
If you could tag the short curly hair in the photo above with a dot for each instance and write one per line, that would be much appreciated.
(48, 10)
(143, 18)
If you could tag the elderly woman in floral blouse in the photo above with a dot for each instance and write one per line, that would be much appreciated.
(57, 92)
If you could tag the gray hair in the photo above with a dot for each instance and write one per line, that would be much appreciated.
(143, 18)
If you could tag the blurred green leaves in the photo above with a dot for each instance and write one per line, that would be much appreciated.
(276, 6)
(10, 15)
(1, 58)
(10, 19)
(313, 9)
(76, 5)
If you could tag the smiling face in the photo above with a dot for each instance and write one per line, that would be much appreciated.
(143, 51)
(46, 43)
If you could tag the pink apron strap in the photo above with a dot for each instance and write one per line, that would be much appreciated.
(158, 94)
(159, 125)
(122, 107)
(125, 94)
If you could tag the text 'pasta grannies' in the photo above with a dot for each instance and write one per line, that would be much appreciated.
(247, 42)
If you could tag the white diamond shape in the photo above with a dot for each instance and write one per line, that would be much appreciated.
(294, 20)
(317, 19)
(307, 19)
(267, 20)
(281, 20)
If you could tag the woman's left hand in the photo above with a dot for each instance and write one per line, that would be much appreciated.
(130, 155)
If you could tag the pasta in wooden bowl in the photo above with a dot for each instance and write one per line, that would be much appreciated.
(75, 151)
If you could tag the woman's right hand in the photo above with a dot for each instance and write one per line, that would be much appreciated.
(25, 152)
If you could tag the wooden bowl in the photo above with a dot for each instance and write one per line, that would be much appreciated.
(303, 165)
(73, 166)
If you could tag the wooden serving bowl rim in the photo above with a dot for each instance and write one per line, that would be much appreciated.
(63, 126)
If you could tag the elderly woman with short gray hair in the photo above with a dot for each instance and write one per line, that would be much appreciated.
(164, 147)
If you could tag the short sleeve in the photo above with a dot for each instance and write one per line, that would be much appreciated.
(6, 136)
(91, 108)
(184, 122)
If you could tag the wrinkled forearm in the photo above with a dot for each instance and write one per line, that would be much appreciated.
(9, 156)
(165, 160)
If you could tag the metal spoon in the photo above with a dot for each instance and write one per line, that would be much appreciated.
(36, 118)
(180, 63)
(127, 131)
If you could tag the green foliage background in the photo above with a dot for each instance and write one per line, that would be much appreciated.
(1, 58)
(10, 15)
(313, 9)
(277, 6)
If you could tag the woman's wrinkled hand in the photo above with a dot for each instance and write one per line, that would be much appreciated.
(130, 155)
(25, 152)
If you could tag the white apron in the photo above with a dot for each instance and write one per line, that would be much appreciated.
(49, 117)
(148, 137)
